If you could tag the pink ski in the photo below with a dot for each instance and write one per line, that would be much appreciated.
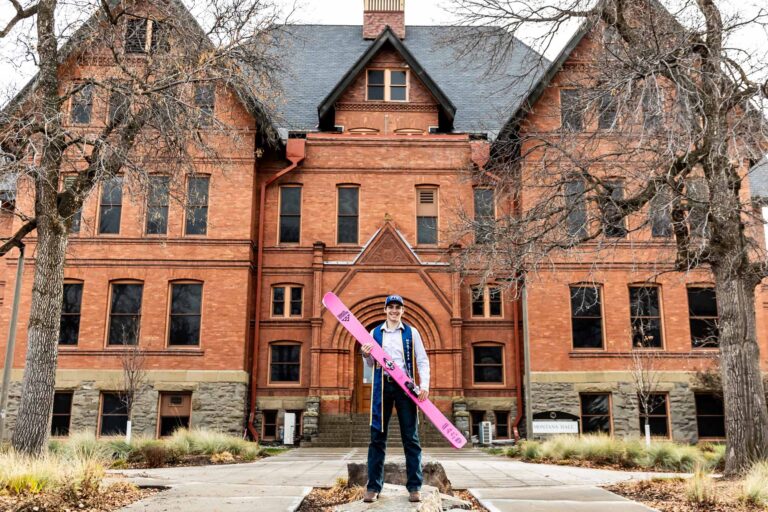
(356, 329)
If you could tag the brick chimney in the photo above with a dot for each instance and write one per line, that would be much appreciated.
(378, 14)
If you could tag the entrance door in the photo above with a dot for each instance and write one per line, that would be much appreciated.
(363, 378)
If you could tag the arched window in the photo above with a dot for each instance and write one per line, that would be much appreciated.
(185, 313)
(488, 363)
(125, 312)
(285, 362)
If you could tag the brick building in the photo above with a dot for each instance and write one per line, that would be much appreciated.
(383, 130)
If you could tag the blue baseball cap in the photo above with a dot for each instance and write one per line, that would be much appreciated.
(394, 298)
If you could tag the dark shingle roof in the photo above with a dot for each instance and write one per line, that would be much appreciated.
(758, 179)
(316, 58)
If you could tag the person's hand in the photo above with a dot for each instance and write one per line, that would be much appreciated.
(366, 349)
(423, 394)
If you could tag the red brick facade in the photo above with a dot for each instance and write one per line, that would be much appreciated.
(386, 151)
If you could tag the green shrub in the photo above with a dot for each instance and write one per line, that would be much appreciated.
(602, 449)
(755, 488)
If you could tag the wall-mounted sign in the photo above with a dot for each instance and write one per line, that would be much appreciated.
(555, 427)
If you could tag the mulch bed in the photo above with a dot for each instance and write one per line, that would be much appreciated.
(668, 495)
(115, 496)
(325, 499)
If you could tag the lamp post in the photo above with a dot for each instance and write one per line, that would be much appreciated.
(11, 342)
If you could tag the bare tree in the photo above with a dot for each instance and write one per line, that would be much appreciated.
(661, 120)
(133, 362)
(644, 369)
(128, 92)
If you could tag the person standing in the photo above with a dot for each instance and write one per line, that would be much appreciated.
(403, 343)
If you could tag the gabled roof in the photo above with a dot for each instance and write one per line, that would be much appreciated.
(327, 107)
(543, 82)
(316, 58)
(182, 13)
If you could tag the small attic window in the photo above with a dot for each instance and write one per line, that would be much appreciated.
(387, 85)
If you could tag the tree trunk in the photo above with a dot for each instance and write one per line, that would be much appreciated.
(33, 422)
(746, 416)
(34, 419)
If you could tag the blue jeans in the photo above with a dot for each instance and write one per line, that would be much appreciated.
(406, 414)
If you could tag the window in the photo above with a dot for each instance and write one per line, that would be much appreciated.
(62, 413)
(348, 215)
(645, 316)
(157, 205)
(702, 312)
(125, 314)
(135, 35)
(660, 213)
(502, 424)
(576, 209)
(485, 216)
(269, 425)
(174, 412)
(292, 294)
(290, 214)
(426, 216)
(186, 307)
(197, 206)
(75, 221)
(652, 109)
(656, 414)
(697, 191)
(607, 118)
(586, 317)
(141, 34)
(488, 364)
(387, 85)
(710, 415)
(571, 114)
(477, 417)
(69, 331)
(205, 100)
(111, 206)
(486, 301)
(114, 415)
(614, 224)
(119, 106)
(595, 413)
(82, 104)
(285, 363)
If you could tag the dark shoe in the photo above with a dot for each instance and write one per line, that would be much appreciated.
(414, 496)
(370, 496)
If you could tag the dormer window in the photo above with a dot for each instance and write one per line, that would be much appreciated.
(387, 85)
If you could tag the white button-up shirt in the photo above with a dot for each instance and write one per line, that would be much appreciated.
(392, 343)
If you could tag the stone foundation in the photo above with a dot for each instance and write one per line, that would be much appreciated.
(215, 405)
(564, 396)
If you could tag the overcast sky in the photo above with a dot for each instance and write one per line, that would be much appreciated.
(16, 69)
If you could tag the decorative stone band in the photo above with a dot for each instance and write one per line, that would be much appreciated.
(386, 107)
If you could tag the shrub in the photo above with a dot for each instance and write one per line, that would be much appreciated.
(755, 488)
(155, 454)
(20, 474)
(700, 489)
(603, 449)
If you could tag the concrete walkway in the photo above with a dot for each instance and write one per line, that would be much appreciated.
(280, 483)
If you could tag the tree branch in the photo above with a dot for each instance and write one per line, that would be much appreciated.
(16, 239)
(21, 14)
